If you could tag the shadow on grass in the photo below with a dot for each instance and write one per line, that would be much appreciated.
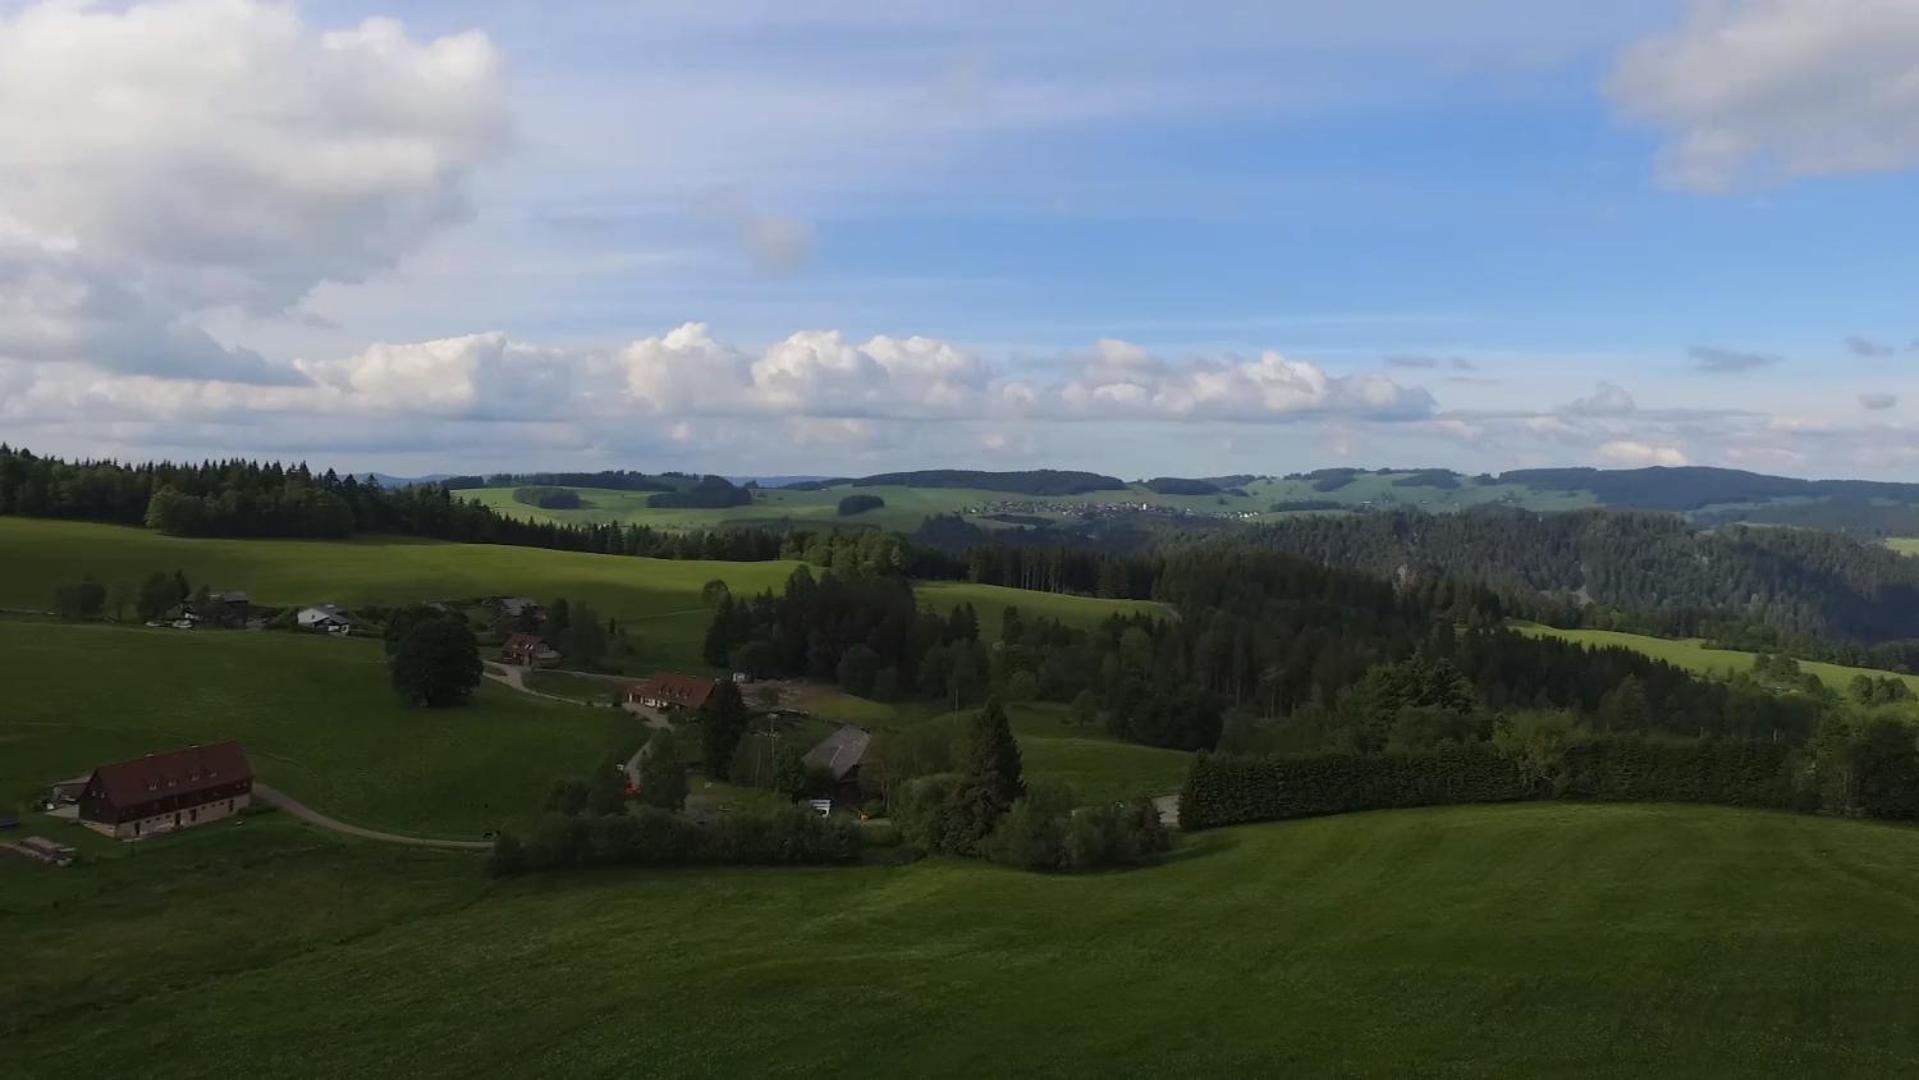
(1201, 845)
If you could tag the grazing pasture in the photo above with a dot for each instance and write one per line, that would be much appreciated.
(1527, 940)
(657, 599)
(316, 715)
(1692, 654)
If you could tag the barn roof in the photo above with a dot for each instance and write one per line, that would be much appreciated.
(842, 751)
(689, 690)
(178, 772)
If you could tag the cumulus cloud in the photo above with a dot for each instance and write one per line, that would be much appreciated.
(1865, 346)
(1878, 401)
(1605, 400)
(1121, 380)
(1795, 87)
(185, 155)
(477, 375)
(1718, 361)
(1629, 452)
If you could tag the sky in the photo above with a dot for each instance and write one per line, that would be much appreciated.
(846, 237)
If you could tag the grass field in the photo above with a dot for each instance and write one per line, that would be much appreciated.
(658, 599)
(1693, 655)
(991, 601)
(316, 715)
(1904, 545)
(1537, 940)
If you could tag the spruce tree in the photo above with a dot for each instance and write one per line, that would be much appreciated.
(991, 755)
(723, 721)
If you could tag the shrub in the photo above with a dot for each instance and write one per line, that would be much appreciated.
(1028, 838)
(860, 504)
(1225, 789)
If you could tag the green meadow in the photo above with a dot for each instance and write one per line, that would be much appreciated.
(1904, 545)
(1522, 941)
(315, 714)
(1693, 654)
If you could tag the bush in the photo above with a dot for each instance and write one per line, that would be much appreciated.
(1027, 838)
(860, 504)
(548, 498)
(1225, 789)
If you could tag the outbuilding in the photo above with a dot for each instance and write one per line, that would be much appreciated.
(163, 792)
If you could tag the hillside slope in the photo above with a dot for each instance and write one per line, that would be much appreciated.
(1566, 941)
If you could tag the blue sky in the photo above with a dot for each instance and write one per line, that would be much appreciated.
(1189, 238)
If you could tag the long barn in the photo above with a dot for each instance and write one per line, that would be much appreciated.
(164, 792)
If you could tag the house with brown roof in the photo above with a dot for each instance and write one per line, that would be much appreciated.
(163, 792)
(670, 690)
(528, 650)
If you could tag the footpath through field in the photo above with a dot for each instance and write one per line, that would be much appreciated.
(280, 800)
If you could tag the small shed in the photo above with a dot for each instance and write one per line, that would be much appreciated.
(845, 754)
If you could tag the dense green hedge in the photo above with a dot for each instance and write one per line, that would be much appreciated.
(1726, 772)
(1225, 789)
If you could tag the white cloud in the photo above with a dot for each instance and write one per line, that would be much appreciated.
(1717, 361)
(475, 375)
(1799, 87)
(184, 155)
(1627, 452)
(1122, 380)
(1605, 400)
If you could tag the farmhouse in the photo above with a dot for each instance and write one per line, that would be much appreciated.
(514, 606)
(845, 754)
(667, 689)
(164, 792)
(528, 650)
(324, 619)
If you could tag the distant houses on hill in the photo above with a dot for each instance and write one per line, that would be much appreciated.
(164, 792)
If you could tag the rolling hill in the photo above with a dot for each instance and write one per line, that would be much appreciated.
(1533, 940)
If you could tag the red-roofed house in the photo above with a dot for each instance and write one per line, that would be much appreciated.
(163, 792)
(669, 690)
(529, 650)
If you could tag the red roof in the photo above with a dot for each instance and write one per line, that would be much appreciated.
(530, 644)
(690, 691)
(178, 773)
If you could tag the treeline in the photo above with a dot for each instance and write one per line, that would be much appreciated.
(266, 499)
(1852, 768)
(1697, 487)
(1029, 482)
(1638, 571)
(611, 480)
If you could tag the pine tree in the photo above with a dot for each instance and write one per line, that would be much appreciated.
(990, 755)
(723, 721)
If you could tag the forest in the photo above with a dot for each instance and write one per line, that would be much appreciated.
(1632, 570)
(1299, 656)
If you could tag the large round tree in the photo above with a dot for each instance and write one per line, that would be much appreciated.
(436, 662)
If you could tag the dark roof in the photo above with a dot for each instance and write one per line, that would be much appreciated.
(841, 752)
(688, 690)
(532, 643)
(180, 772)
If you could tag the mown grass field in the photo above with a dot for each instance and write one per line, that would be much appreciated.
(316, 715)
(1904, 545)
(1523, 941)
(991, 601)
(658, 599)
(1693, 655)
